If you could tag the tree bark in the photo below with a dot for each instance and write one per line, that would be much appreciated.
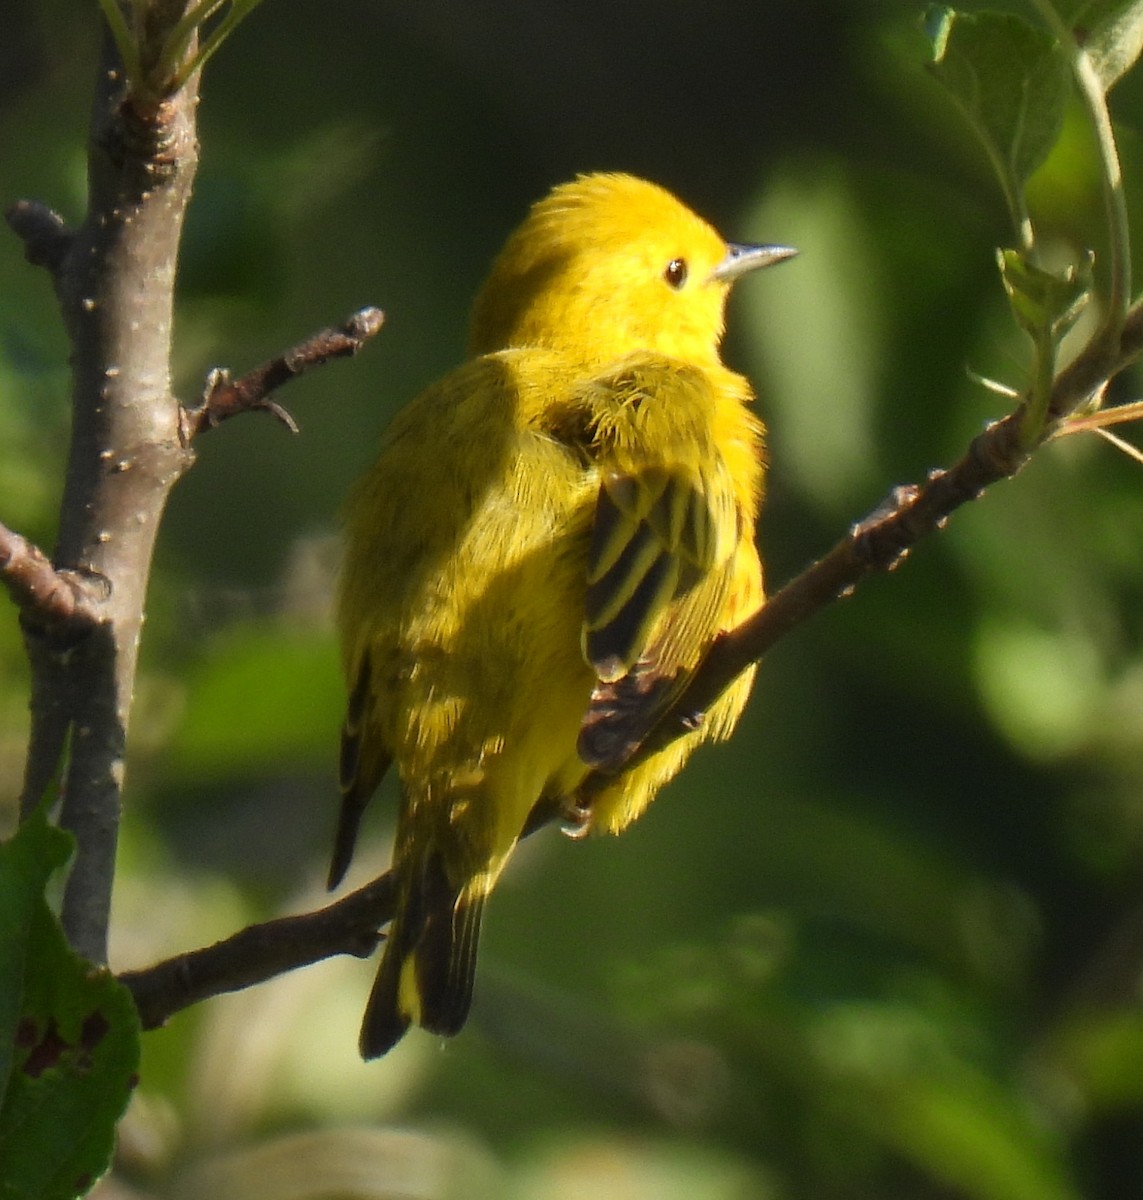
(114, 278)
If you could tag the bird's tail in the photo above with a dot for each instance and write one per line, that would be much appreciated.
(429, 961)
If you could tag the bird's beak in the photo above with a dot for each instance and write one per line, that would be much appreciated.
(742, 258)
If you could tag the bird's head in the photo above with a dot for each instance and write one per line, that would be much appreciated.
(608, 264)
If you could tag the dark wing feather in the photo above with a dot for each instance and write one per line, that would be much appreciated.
(659, 567)
(358, 774)
(652, 538)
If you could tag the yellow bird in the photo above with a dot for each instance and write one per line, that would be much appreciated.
(549, 541)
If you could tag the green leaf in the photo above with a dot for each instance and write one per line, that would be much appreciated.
(1046, 304)
(1115, 43)
(26, 862)
(69, 1036)
(1010, 79)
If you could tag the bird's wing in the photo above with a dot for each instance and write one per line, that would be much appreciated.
(660, 559)
(656, 593)
(362, 764)
(654, 539)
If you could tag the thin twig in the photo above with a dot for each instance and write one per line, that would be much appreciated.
(48, 599)
(878, 543)
(225, 397)
(261, 952)
(1121, 444)
(348, 927)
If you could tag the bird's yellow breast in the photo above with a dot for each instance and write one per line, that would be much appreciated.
(540, 559)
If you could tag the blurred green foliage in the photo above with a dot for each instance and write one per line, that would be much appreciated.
(888, 941)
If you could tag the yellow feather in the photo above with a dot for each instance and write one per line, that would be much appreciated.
(590, 476)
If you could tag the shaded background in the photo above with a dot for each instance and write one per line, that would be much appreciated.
(888, 941)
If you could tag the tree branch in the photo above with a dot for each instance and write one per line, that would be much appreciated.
(260, 952)
(114, 278)
(882, 540)
(225, 397)
(60, 601)
(877, 543)
(57, 610)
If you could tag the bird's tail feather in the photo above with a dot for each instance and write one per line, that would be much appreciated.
(429, 963)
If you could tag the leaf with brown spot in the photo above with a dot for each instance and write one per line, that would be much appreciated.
(69, 1035)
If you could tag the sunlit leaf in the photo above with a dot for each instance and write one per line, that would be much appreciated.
(1115, 44)
(1009, 78)
(1046, 304)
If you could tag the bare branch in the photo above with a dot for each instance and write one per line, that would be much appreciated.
(48, 599)
(261, 952)
(225, 397)
(114, 279)
(878, 543)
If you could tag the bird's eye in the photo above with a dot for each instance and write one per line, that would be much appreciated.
(676, 272)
